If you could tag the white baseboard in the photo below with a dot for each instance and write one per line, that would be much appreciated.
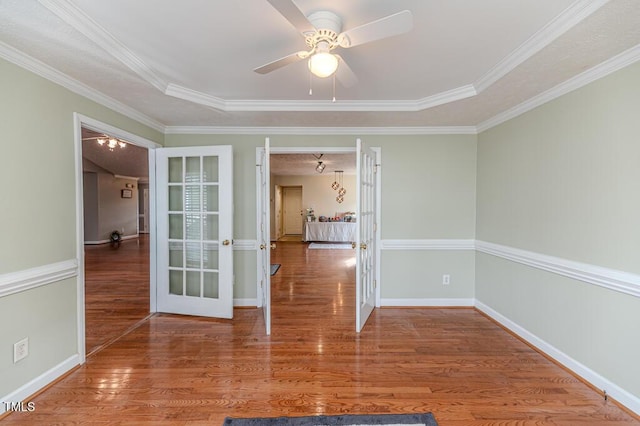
(243, 303)
(427, 302)
(124, 238)
(35, 385)
(614, 391)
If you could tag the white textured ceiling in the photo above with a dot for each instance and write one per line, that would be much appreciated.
(189, 63)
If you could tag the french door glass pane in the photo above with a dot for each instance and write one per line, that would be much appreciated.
(175, 282)
(210, 256)
(210, 285)
(193, 284)
(192, 255)
(175, 170)
(210, 198)
(211, 229)
(193, 226)
(175, 226)
(175, 255)
(193, 170)
(210, 169)
(175, 198)
(192, 198)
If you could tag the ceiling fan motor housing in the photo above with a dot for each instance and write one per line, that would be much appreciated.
(328, 25)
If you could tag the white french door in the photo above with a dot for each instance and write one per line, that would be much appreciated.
(194, 231)
(264, 233)
(366, 251)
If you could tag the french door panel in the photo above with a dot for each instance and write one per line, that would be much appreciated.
(264, 234)
(366, 257)
(195, 227)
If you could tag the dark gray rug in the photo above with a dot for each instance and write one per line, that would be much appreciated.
(425, 419)
(274, 268)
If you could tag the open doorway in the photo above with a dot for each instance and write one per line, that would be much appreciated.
(116, 244)
(308, 280)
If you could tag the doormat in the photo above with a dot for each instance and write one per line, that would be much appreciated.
(344, 246)
(426, 419)
(274, 268)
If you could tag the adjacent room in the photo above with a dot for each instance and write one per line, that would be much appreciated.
(416, 211)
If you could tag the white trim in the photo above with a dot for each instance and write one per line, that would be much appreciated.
(245, 303)
(427, 302)
(98, 242)
(82, 22)
(573, 15)
(80, 121)
(602, 70)
(35, 385)
(616, 392)
(126, 177)
(331, 131)
(612, 279)
(441, 244)
(45, 71)
(15, 282)
(245, 245)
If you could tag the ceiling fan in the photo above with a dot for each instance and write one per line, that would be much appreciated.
(322, 31)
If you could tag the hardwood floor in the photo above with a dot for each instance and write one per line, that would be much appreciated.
(116, 289)
(456, 363)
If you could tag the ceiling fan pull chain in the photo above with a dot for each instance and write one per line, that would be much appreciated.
(334, 87)
(310, 83)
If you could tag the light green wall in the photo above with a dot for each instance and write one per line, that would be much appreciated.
(38, 215)
(428, 192)
(564, 180)
(417, 274)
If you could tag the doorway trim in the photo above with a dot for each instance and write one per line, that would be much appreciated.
(80, 121)
(325, 150)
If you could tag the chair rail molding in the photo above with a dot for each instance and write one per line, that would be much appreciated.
(612, 279)
(15, 282)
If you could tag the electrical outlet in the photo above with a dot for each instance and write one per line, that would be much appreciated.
(446, 279)
(20, 349)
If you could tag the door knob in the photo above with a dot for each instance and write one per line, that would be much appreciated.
(262, 247)
(353, 245)
(226, 242)
(363, 246)
(273, 245)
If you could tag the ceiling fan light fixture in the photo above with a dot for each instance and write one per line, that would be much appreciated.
(323, 64)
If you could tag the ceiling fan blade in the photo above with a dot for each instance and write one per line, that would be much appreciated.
(291, 13)
(279, 63)
(345, 75)
(391, 25)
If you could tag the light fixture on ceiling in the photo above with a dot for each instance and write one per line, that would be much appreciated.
(109, 142)
(320, 166)
(337, 185)
(323, 64)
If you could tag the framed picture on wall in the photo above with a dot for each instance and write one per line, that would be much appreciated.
(126, 193)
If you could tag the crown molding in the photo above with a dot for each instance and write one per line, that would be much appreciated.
(45, 71)
(315, 106)
(76, 18)
(83, 23)
(602, 70)
(337, 131)
(571, 16)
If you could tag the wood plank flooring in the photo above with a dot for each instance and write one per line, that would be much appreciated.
(116, 289)
(456, 363)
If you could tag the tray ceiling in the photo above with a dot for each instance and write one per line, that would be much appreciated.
(190, 63)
